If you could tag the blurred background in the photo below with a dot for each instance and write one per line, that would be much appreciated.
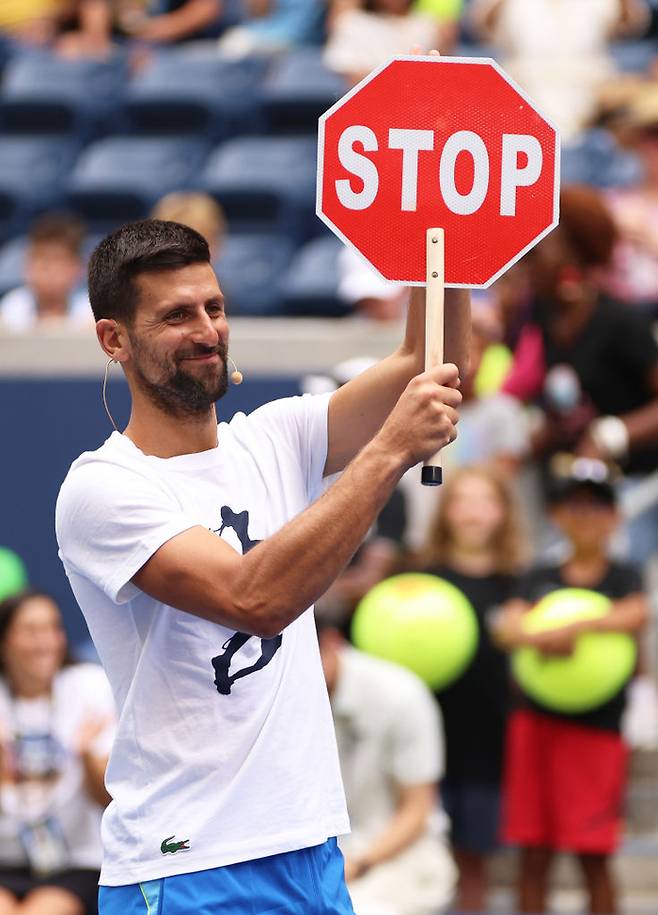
(205, 111)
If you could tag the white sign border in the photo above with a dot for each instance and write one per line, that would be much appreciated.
(433, 58)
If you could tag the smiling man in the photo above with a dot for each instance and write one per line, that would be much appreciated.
(196, 551)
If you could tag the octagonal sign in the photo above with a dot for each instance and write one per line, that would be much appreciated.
(438, 142)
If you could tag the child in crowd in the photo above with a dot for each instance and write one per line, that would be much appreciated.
(53, 273)
(475, 544)
(565, 773)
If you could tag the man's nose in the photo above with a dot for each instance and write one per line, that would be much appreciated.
(205, 330)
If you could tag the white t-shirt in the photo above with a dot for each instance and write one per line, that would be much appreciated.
(389, 733)
(40, 737)
(232, 768)
(18, 311)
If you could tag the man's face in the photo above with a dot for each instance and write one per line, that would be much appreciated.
(179, 340)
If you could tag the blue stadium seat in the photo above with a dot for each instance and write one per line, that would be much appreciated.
(633, 56)
(298, 89)
(250, 271)
(185, 91)
(32, 176)
(42, 93)
(596, 158)
(310, 286)
(120, 178)
(12, 261)
(265, 183)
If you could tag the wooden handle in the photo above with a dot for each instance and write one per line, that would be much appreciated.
(432, 472)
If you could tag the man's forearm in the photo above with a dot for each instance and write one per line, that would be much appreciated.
(289, 571)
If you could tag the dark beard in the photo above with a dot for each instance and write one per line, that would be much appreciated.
(184, 395)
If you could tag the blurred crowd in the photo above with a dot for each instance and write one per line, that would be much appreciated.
(552, 483)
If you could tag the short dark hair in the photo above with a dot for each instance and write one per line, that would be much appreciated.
(59, 228)
(138, 247)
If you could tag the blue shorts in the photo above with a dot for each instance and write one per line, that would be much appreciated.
(474, 813)
(310, 881)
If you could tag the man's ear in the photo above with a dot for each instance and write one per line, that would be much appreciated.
(113, 339)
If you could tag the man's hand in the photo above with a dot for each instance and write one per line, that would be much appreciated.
(425, 417)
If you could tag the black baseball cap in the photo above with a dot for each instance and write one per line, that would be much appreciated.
(571, 476)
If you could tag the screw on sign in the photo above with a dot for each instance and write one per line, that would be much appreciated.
(439, 172)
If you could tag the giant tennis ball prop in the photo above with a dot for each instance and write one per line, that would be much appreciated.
(13, 577)
(596, 670)
(421, 622)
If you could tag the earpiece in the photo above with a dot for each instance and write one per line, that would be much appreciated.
(236, 375)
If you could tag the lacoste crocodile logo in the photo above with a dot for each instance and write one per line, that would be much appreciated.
(170, 848)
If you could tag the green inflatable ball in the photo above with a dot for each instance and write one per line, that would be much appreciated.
(601, 663)
(421, 622)
(13, 577)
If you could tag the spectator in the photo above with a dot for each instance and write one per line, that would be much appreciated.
(493, 428)
(198, 211)
(364, 33)
(56, 727)
(390, 749)
(33, 23)
(170, 21)
(366, 292)
(53, 272)
(558, 52)
(634, 274)
(592, 361)
(475, 544)
(272, 26)
(564, 780)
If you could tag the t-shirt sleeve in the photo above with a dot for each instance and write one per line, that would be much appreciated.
(633, 339)
(302, 424)
(110, 520)
(624, 579)
(417, 751)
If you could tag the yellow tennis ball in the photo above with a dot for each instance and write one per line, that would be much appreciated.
(601, 663)
(421, 622)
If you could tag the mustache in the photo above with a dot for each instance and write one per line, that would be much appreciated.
(202, 350)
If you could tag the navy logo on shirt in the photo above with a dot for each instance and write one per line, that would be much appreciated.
(224, 680)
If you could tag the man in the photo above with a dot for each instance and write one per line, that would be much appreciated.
(195, 558)
(390, 744)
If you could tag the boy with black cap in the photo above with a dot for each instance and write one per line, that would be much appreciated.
(565, 773)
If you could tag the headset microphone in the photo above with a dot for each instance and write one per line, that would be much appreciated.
(236, 375)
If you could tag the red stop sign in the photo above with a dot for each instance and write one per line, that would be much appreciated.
(438, 142)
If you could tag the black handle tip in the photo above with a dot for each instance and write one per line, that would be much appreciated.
(431, 476)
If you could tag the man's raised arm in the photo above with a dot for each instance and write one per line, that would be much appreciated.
(358, 409)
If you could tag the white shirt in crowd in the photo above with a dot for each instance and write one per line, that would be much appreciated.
(208, 768)
(40, 737)
(18, 311)
(390, 735)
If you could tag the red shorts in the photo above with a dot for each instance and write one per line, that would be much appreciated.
(563, 785)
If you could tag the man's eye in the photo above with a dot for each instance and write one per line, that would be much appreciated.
(175, 316)
(215, 309)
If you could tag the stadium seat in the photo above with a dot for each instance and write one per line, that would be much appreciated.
(12, 260)
(596, 158)
(633, 56)
(42, 93)
(32, 175)
(310, 285)
(265, 183)
(251, 270)
(298, 89)
(120, 178)
(190, 91)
